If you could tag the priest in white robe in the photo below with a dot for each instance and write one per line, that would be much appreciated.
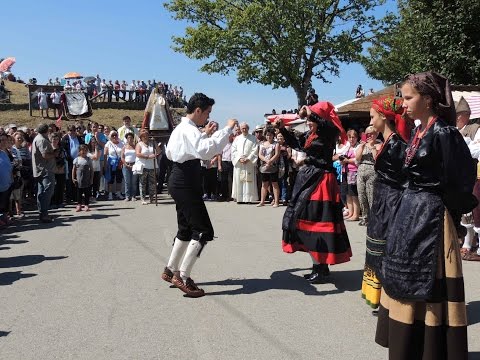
(244, 159)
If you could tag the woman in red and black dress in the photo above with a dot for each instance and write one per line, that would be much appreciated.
(313, 221)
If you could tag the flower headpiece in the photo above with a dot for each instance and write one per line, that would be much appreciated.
(393, 110)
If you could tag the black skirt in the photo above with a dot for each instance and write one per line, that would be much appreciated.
(385, 200)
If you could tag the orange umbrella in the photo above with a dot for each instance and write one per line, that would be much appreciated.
(72, 75)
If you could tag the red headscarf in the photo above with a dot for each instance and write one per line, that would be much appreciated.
(392, 109)
(326, 111)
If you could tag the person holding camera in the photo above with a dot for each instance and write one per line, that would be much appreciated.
(186, 147)
(313, 220)
(312, 97)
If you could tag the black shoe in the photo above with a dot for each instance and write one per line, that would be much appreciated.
(306, 276)
(319, 274)
(375, 312)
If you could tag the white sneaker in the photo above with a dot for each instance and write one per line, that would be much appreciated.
(110, 196)
(119, 196)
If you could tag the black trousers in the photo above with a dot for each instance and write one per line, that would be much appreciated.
(71, 188)
(226, 178)
(83, 195)
(5, 201)
(210, 182)
(186, 190)
(57, 198)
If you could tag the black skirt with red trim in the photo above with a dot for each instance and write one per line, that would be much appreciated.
(313, 221)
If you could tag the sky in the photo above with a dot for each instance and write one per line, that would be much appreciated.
(126, 40)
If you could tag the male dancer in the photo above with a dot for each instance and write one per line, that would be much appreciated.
(186, 146)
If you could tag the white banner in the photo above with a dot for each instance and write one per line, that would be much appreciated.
(76, 103)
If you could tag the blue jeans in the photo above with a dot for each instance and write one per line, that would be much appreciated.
(130, 182)
(282, 182)
(45, 189)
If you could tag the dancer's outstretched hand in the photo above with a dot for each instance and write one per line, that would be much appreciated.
(210, 128)
(231, 123)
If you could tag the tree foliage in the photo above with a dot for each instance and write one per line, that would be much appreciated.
(438, 35)
(282, 43)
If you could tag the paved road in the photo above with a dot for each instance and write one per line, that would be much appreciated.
(90, 288)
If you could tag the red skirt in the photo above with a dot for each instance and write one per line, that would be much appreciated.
(317, 220)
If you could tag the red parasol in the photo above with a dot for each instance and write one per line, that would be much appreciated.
(6, 64)
(72, 75)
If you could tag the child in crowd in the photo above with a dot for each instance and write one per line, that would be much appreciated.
(82, 176)
(94, 155)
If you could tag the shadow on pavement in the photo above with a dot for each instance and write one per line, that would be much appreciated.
(8, 278)
(473, 312)
(286, 280)
(4, 333)
(13, 242)
(9, 236)
(27, 260)
(5, 248)
(32, 222)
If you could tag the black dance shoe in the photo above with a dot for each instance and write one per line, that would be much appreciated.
(307, 276)
(319, 274)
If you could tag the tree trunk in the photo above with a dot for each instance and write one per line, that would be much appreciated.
(301, 93)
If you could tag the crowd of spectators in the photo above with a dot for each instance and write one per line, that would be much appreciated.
(78, 166)
(102, 90)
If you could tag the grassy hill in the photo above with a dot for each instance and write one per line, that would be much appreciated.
(19, 95)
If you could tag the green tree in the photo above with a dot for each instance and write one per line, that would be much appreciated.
(282, 43)
(438, 35)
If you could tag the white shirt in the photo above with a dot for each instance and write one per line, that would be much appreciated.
(55, 96)
(187, 142)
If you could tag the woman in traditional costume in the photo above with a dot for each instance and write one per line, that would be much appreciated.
(388, 186)
(422, 312)
(313, 221)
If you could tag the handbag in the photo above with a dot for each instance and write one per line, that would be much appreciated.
(115, 162)
(269, 169)
(137, 168)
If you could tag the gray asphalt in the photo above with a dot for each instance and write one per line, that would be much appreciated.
(90, 288)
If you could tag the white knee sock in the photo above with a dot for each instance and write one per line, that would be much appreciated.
(190, 258)
(467, 243)
(179, 248)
